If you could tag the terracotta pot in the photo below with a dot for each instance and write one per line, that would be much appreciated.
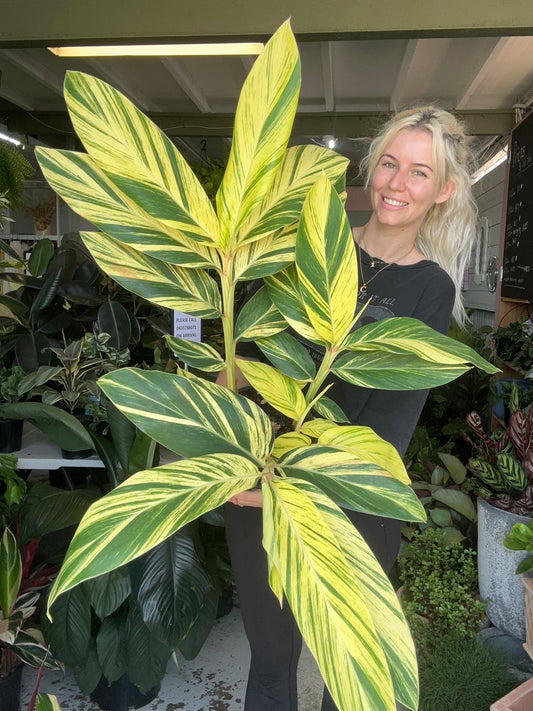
(519, 699)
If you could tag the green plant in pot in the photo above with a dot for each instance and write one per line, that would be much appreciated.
(10, 429)
(280, 217)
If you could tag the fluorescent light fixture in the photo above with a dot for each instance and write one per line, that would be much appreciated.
(490, 165)
(10, 139)
(161, 50)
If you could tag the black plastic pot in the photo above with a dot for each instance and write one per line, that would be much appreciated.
(121, 695)
(10, 435)
(10, 690)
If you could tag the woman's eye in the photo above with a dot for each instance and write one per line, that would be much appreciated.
(419, 174)
(389, 165)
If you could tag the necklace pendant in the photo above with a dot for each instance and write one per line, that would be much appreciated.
(362, 289)
(372, 264)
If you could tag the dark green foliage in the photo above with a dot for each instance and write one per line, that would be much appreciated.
(14, 169)
(440, 585)
(459, 673)
(514, 343)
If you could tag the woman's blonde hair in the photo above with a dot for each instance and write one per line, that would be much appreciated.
(449, 229)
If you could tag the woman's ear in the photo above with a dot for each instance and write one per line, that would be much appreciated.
(446, 192)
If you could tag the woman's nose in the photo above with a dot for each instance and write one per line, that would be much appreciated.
(398, 180)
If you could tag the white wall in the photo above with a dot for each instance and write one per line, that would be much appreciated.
(489, 193)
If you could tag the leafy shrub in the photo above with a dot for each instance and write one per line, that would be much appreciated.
(440, 586)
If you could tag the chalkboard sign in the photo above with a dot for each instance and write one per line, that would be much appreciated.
(517, 276)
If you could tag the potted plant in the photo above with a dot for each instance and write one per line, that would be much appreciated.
(514, 345)
(280, 217)
(10, 429)
(502, 471)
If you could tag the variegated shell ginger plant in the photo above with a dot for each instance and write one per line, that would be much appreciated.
(279, 216)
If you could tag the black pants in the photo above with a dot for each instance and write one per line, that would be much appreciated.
(274, 638)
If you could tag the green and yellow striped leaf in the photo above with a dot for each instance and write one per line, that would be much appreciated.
(146, 509)
(192, 291)
(512, 471)
(367, 446)
(384, 608)
(489, 475)
(353, 483)
(263, 123)
(258, 318)
(392, 371)
(326, 407)
(90, 193)
(315, 428)
(268, 255)
(285, 295)
(326, 263)
(404, 335)
(299, 170)
(47, 702)
(288, 441)
(197, 355)
(139, 158)
(325, 597)
(280, 391)
(289, 356)
(189, 415)
(11, 567)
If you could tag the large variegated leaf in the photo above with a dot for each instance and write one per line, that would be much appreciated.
(288, 355)
(383, 606)
(197, 355)
(90, 193)
(148, 508)
(285, 295)
(392, 371)
(353, 483)
(189, 415)
(278, 389)
(268, 255)
(404, 335)
(368, 446)
(139, 158)
(288, 441)
(299, 170)
(326, 263)
(258, 318)
(263, 123)
(326, 407)
(192, 291)
(325, 597)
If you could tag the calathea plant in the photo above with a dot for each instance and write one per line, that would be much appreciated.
(279, 216)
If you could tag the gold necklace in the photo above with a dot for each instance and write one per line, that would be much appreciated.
(363, 287)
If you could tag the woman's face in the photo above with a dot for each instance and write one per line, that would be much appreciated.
(403, 186)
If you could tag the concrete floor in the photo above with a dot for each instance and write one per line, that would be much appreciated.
(214, 681)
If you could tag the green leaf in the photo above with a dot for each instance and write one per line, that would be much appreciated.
(391, 371)
(111, 642)
(280, 391)
(174, 587)
(263, 123)
(69, 632)
(258, 318)
(512, 471)
(288, 441)
(113, 318)
(454, 466)
(268, 255)
(10, 572)
(192, 291)
(90, 193)
(139, 158)
(458, 501)
(40, 257)
(197, 355)
(326, 263)
(189, 415)
(326, 407)
(352, 483)
(332, 614)
(47, 702)
(525, 566)
(17, 309)
(148, 508)
(59, 426)
(440, 517)
(108, 592)
(404, 335)
(289, 356)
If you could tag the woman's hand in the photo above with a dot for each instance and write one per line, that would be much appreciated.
(252, 497)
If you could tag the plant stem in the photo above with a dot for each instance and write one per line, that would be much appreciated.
(228, 305)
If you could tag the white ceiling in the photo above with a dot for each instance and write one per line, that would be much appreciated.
(346, 87)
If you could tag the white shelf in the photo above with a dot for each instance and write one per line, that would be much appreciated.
(37, 452)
